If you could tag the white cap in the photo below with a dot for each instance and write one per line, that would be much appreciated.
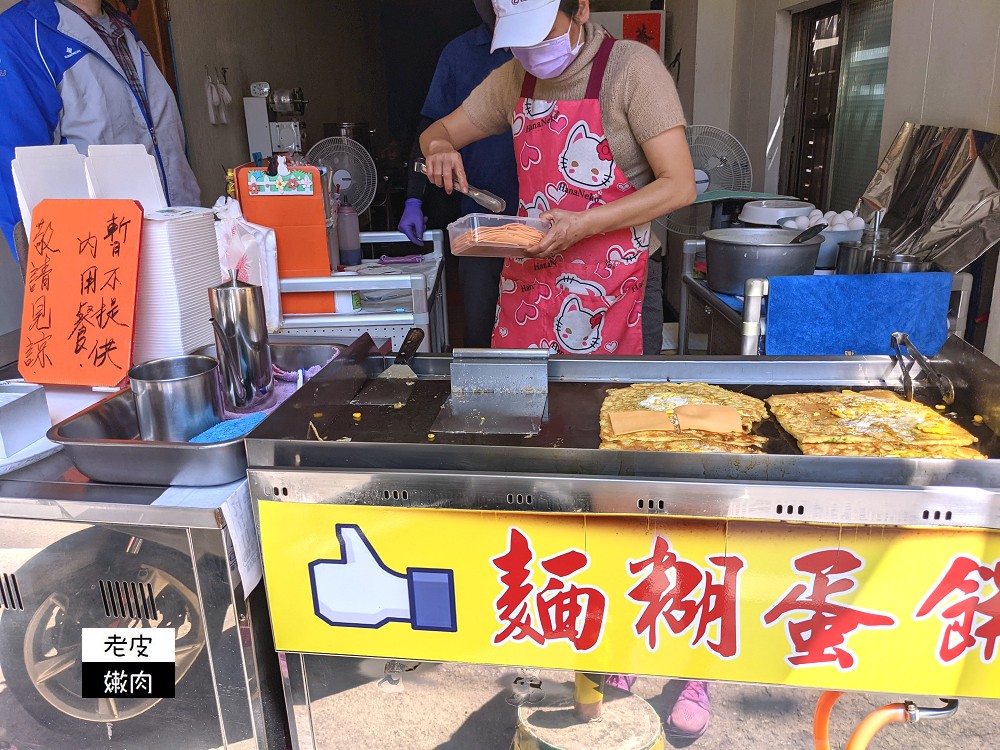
(523, 23)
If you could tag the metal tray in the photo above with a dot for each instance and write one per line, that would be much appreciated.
(103, 440)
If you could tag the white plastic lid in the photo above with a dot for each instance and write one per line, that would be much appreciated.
(769, 212)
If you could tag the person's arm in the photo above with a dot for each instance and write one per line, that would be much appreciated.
(30, 121)
(673, 187)
(416, 183)
(440, 144)
(487, 111)
(412, 222)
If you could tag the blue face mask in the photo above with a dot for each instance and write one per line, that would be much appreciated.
(550, 58)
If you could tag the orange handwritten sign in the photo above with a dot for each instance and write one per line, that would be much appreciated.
(80, 292)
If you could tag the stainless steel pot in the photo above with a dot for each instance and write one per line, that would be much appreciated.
(737, 254)
(902, 264)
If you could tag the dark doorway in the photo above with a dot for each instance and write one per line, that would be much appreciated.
(813, 81)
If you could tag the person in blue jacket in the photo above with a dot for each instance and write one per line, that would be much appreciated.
(463, 65)
(75, 71)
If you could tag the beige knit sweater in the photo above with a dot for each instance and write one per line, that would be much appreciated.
(638, 98)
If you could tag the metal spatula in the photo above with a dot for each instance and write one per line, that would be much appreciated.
(395, 384)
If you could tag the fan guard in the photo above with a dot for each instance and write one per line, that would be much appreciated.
(720, 163)
(352, 167)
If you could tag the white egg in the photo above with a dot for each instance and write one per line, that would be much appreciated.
(847, 215)
(818, 220)
(856, 223)
(801, 222)
(829, 215)
(814, 213)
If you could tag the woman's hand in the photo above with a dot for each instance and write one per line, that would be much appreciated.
(568, 228)
(445, 168)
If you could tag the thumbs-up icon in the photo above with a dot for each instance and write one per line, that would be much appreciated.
(359, 591)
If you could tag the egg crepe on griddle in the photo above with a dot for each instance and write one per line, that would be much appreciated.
(666, 397)
(870, 423)
(891, 450)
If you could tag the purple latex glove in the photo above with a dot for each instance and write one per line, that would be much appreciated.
(412, 223)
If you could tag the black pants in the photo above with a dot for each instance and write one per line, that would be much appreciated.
(652, 308)
(480, 279)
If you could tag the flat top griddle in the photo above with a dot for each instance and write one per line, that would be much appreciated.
(319, 428)
(571, 421)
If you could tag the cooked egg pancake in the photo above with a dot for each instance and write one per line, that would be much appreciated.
(893, 450)
(665, 397)
(866, 420)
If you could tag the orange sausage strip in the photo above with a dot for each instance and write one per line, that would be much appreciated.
(507, 235)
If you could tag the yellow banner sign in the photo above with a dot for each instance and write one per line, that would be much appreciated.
(887, 610)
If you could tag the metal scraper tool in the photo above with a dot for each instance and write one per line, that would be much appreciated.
(484, 198)
(395, 384)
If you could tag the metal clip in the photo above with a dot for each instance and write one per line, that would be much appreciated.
(942, 382)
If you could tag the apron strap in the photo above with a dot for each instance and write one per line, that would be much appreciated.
(597, 69)
(528, 87)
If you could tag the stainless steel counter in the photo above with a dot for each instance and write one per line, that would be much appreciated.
(76, 550)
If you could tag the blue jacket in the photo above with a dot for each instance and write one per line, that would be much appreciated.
(59, 83)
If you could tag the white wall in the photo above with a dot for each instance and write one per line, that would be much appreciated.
(714, 62)
(329, 49)
(684, 38)
(760, 66)
(944, 65)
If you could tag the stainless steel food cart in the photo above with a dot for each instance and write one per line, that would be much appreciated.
(80, 554)
(115, 532)
(323, 470)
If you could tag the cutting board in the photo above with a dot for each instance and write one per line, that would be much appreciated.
(78, 318)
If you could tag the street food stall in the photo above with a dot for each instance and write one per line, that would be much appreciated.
(289, 515)
(442, 569)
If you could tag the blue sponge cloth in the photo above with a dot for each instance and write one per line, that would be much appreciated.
(230, 429)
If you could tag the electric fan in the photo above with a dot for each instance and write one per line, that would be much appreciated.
(351, 167)
(720, 163)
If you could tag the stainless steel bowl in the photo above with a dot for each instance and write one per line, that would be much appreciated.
(902, 264)
(737, 254)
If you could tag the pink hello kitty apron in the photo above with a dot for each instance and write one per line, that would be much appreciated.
(587, 299)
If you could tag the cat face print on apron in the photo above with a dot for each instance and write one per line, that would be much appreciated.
(588, 298)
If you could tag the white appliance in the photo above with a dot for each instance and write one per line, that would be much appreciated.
(648, 26)
(273, 117)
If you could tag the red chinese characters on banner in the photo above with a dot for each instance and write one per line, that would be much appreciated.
(686, 596)
(821, 637)
(559, 610)
(970, 614)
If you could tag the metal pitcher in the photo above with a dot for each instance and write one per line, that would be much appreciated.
(241, 341)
